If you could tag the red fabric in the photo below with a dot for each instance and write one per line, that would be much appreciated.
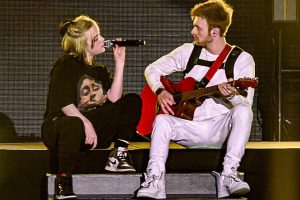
(218, 62)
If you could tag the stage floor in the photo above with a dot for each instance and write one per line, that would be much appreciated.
(146, 145)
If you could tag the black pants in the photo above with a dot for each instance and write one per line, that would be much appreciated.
(65, 135)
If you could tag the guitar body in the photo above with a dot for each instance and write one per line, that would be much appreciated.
(150, 108)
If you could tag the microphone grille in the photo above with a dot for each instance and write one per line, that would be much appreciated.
(108, 44)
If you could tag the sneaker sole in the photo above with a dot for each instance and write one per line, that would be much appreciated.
(150, 195)
(222, 194)
(111, 169)
(66, 197)
(240, 191)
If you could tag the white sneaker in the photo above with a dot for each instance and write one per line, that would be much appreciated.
(230, 185)
(153, 186)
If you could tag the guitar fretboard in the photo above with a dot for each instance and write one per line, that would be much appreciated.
(199, 92)
(241, 83)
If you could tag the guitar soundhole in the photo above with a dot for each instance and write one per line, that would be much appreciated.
(188, 109)
(177, 98)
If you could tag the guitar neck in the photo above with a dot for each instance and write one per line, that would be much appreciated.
(199, 92)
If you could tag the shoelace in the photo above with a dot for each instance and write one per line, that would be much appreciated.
(122, 155)
(233, 178)
(60, 189)
(149, 179)
(67, 182)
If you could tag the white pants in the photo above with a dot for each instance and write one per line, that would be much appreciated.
(236, 125)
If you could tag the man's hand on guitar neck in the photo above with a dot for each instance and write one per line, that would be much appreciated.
(227, 90)
(166, 100)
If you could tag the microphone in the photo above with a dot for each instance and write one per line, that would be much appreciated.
(111, 43)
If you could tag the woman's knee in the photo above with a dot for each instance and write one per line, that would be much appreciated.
(132, 104)
(63, 128)
(133, 99)
(72, 126)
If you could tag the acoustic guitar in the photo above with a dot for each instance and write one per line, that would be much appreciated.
(187, 99)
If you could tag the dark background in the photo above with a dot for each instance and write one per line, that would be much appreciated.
(30, 43)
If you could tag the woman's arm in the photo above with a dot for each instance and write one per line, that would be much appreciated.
(116, 89)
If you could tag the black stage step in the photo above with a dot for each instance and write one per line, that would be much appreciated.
(272, 169)
(116, 185)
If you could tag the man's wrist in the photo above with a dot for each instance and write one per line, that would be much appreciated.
(159, 90)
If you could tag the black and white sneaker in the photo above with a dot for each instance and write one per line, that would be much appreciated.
(64, 188)
(119, 161)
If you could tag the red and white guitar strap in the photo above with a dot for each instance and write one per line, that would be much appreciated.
(215, 66)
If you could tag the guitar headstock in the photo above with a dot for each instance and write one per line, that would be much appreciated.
(246, 82)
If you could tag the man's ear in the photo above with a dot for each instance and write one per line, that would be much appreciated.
(215, 32)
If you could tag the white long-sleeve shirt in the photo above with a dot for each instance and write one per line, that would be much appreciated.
(176, 61)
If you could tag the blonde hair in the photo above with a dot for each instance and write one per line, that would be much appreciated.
(216, 12)
(73, 31)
